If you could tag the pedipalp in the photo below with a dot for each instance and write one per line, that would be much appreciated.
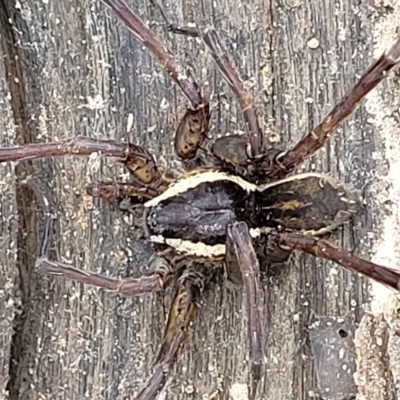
(255, 148)
(219, 214)
(194, 125)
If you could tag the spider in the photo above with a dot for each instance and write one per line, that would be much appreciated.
(247, 194)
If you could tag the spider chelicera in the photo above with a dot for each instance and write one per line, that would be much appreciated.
(238, 193)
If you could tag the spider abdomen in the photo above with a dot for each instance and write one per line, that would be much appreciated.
(310, 202)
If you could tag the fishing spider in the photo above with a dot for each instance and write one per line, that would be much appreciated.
(236, 194)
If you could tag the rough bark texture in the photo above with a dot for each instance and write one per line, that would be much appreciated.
(83, 73)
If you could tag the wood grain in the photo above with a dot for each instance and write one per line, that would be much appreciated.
(85, 74)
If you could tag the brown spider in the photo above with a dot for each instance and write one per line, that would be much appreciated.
(236, 193)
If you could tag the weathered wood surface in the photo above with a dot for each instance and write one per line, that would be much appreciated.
(85, 74)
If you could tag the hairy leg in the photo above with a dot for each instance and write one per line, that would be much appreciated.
(124, 195)
(229, 71)
(255, 141)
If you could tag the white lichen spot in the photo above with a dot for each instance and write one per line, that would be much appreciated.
(381, 104)
(94, 103)
(189, 389)
(313, 43)
(151, 129)
(129, 122)
(164, 105)
(239, 391)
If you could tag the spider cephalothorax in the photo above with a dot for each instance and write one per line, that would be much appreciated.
(237, 193)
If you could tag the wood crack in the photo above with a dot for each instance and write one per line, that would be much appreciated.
(26, 239)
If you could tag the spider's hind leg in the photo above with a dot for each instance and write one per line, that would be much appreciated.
(324, 249)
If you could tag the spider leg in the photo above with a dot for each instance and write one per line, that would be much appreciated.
(240, 254)
(116, 193)
(135, 158)
(324, 249)
(229, 71)
(194, 126)
(317, 137)
(155, 282)
(182, 314)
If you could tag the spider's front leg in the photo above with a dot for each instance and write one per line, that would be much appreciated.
(244, 155)
(182, 314)
(243, 267)
(248, 156)
(124, 195)
(194, 126)
(137, 159)
(252, 147)
(317, 137)
(148, 180)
